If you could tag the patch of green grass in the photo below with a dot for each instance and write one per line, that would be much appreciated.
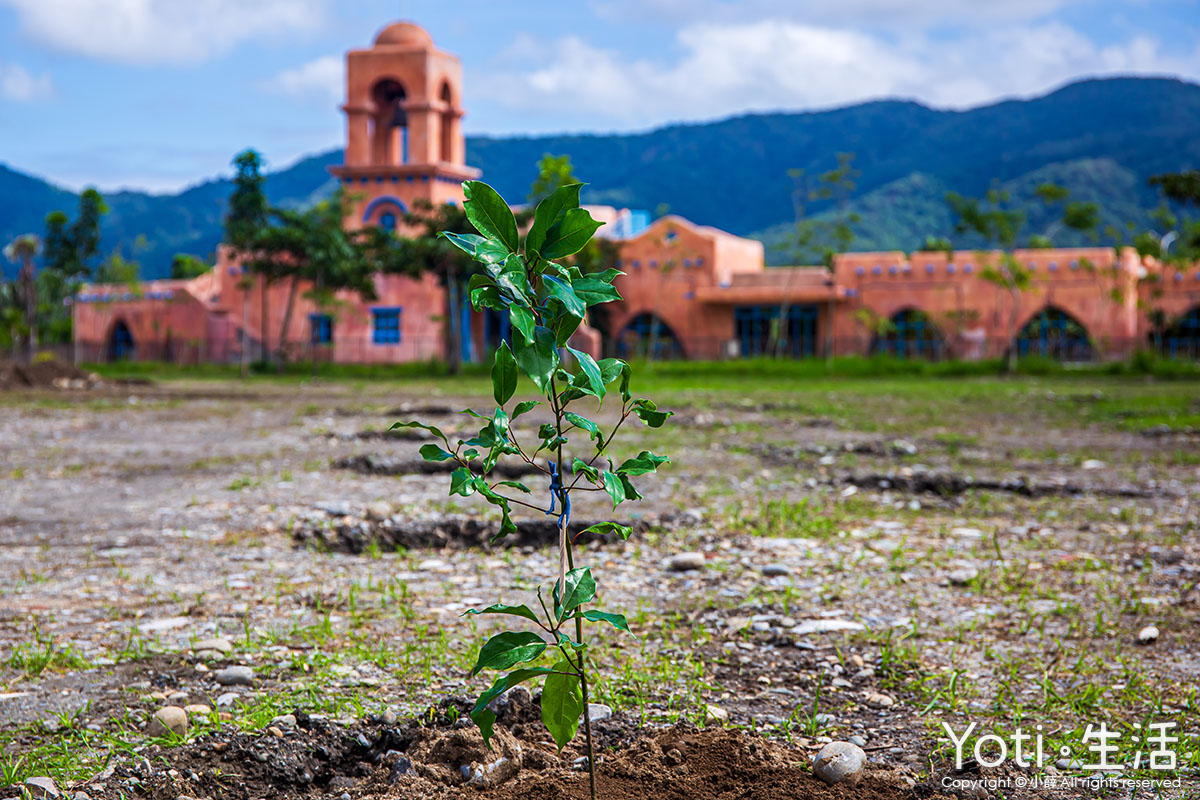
(42, 654)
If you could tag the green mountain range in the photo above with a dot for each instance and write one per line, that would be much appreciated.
(1101, 138)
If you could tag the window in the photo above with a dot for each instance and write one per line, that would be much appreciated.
(321, 328)
(762, 332)
(386, 325)
(387, 222)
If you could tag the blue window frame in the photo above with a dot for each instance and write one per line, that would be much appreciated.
(385, 327)
(1053, 333)
(1182, 339)
(387, 222)
(760, 331)
(910, 333)
(321, 328)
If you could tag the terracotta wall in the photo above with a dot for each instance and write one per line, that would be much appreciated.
(1092, 285)
(665, 265)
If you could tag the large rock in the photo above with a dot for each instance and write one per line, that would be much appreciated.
(235, 676)
(168, 720)
(41, 788)
(840, 762)
(685, 562)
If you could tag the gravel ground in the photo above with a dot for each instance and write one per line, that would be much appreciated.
(818, 563)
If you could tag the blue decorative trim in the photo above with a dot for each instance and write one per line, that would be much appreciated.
(386, 199)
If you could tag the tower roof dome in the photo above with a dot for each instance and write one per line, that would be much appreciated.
(404, 33)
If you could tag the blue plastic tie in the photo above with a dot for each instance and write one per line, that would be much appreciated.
(564, 517)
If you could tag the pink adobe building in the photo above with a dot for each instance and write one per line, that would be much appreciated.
(689, 291)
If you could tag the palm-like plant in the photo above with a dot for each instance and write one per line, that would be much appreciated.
(23, 250)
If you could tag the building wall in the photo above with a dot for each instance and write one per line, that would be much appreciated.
(164, 320)
(977, 318)
(1167, 290)
(664, 267)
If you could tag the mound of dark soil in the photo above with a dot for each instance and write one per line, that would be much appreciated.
(350, 535)
(369, 464)
(50, 373)
(945, 484)
(445, 758)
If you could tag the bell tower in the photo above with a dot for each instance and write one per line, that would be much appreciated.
(404, 138)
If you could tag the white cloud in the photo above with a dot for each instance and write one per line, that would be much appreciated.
(18, 83)
(723, 69)
(322, 78)
(160, 31)
(877, 14)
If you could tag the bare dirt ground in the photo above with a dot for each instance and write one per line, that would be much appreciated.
(879, 558)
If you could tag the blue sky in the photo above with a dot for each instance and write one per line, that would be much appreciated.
(158, 94)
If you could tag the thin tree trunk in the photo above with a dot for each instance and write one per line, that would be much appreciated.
(1012, 326)
(245, 365)
(265, 328)
(830, 341)
(313, 343)
(30, 308)
(453, 319)
(287, 320)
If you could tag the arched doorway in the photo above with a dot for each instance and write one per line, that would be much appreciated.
(1053, 333)
(1182, 338)
(910, 333)
(389, 124)
(647, 336)
(120, 342)
(446, 149)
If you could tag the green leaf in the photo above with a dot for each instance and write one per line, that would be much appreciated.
(568, 236)
(520, 487)
(583, 422)
(508, 648)
(500, 426)
(591, 369)
(507, 526)
(436, 431)
(488, 297)
(562, 704)
(561, 291)
(524, 407)
(514, 279)
(610, 369)
(567, 641)
(538, 358)
(467, 242)
(579, 465)
(580, 588)
(626, 374)
(548, 212)
(614, 487)
(462, 482)
(522, 320)
(431, 452)
(593, 291)
(490, 215)
(643, 463)
(631, 492)
(648, 413)
(500, 608)
(603, 528)
(564, 326)
(483, 717)
(616, 620)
